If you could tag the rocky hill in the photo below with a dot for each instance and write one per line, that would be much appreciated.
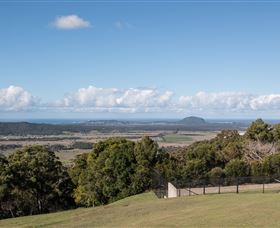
(193, 121)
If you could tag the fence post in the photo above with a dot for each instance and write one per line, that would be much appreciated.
(237, 185)
(203, 187)
(263, 184)
(219, 186)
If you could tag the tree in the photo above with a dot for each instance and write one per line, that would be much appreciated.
(195, 169)
(168, 167)
(232, 150)
(4, 191)
(37, 181)
(271, 165)
(215, 173)
(3, 167)
(116, 168)
(257, 168)
(145, 152)
(78, 168)
(108, 173)
(260, 131)
(236, 168)
(205, 151)
(276, 134)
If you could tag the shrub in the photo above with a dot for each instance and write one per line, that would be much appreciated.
(236, 168)
(257, 169)
(260, 131)
(271, 165)
(195, 169)
(216, 173)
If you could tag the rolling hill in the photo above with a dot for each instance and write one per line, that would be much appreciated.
(145, 210)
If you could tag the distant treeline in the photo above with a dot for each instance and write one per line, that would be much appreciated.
(53, 147)
(4, 147)
(76, 145)
(34, 181)
(24, 128)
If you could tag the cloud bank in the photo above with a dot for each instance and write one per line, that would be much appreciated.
(70, 22)
(16, 98)
(141, 100)
(230, 102)
(112, 99)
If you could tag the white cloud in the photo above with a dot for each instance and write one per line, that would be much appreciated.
(70, 22)
(133, 100)
(230, 102)
(112, 99)
(266, 102)
(15, 98)
(143, 100)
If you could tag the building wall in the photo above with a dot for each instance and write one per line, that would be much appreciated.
(172, 191)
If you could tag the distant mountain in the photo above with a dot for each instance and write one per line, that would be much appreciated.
(193, 120)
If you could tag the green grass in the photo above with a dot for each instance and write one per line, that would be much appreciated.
(176, 138)
(145, 210)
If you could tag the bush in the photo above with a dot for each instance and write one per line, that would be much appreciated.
(260, 131)
(232, 151)
(236, 168)
(195, 169)
(216, 173)
(257, 169)
(271, 165)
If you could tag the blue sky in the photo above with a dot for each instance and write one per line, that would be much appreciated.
(159, 59)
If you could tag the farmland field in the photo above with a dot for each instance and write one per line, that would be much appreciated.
(145, 210)
(66, 141)
(176, 138)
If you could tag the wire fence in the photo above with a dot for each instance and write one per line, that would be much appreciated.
(217, 186)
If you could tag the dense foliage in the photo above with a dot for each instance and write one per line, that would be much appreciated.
(232, 155)
(33, 181)
(116, 168)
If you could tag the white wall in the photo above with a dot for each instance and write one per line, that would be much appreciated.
(172, 191)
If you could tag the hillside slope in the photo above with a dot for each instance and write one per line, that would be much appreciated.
(254, 209)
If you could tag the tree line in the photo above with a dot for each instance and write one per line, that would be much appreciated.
(34, 181)
(256, 153)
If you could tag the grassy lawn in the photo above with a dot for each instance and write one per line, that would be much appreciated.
(145, 210)
(175, 138)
